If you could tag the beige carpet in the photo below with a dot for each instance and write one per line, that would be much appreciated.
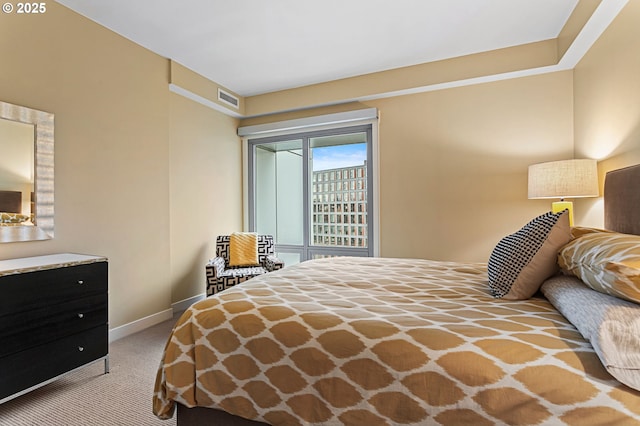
(88, 397)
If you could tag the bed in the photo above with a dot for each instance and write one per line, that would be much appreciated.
(382, 341)
(11, 209)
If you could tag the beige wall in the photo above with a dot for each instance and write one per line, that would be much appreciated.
(206, 191)
(607, 103)
(115, 137)
(453, 163)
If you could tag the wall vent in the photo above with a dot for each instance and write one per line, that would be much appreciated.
(228, 98)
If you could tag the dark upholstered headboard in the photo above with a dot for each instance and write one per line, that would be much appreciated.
(11, 201)
(622, 200)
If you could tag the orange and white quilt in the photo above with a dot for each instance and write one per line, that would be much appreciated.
(377, 341)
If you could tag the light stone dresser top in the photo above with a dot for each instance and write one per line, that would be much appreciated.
(52, 261)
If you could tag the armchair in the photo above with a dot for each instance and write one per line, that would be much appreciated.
(221, 276)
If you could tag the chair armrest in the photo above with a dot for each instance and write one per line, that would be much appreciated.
(272, 263)
(215, 267)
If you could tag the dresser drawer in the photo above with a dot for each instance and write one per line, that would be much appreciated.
(28, 368)
(32, 290)
(38, 326)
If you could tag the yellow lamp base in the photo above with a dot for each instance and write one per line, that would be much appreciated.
(558, 206)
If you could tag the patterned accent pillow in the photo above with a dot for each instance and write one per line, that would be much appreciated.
(243, 249)
(606, 262)
(521, 262)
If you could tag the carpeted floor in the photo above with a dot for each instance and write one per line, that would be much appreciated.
(88, 397)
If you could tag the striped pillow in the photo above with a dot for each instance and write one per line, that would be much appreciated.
(606, 262)
(579, 231)
(243, 249)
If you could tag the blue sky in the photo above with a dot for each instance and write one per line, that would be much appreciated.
(333, 157)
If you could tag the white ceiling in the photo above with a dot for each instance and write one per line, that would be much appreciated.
(258, 46)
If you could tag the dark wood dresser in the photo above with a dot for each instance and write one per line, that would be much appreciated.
(53, 319)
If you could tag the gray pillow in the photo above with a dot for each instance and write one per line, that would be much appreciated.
(612, 325)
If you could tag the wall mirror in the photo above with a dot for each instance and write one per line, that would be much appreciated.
(26, 174)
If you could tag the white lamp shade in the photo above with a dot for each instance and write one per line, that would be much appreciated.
(564, 179)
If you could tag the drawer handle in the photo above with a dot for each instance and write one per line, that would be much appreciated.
(81, 315)
(80, 348)
(80, 282)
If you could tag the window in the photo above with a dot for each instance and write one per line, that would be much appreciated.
(293, 178)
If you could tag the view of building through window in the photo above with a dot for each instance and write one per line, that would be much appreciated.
(339, 196)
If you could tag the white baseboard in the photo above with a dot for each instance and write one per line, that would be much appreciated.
(182, 305)
(139, 325)
(153, 319)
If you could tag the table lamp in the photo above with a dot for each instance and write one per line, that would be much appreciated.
(576, 178)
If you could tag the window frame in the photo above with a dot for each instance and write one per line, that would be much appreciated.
(308, 250)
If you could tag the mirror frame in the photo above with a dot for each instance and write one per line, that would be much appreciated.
(43, 123)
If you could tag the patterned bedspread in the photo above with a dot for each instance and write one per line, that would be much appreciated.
(379, 341)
